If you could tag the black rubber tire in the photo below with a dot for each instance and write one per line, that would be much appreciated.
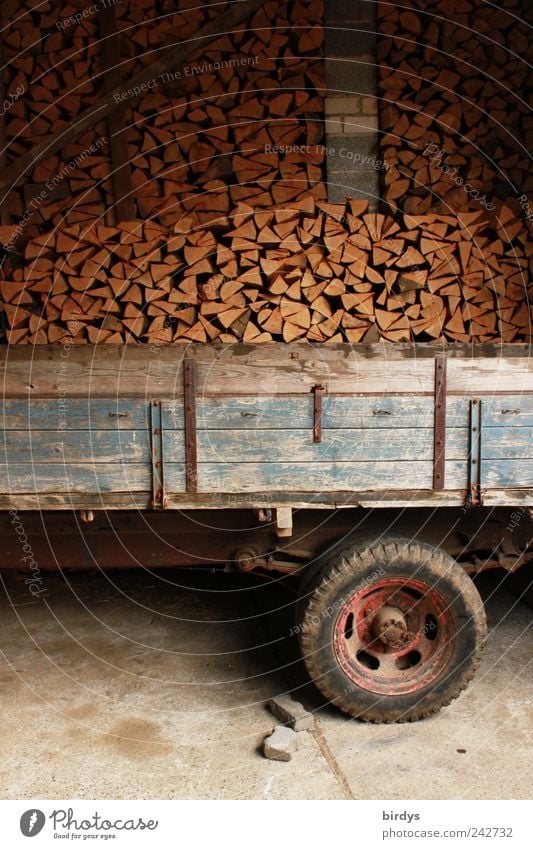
(328, 583)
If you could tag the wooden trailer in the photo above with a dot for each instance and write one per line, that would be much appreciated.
(390, 624)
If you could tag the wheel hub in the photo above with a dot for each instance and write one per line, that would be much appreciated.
(394, 636)
(389, 626)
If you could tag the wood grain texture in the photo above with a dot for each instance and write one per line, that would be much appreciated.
(348, 445)
(81, 478)
(73, 447)
(282, 412)
(260, 446)
(333, 477)
(66, 414)
(510, 497)
(259, 412)
(508, 411)
(255, 441)
(481, 376)
(140, 500)
(137, 371)
(379, 411)
(507, 473)
(506, 443)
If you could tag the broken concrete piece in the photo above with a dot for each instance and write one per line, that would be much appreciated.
(281, 744)
(291, 713)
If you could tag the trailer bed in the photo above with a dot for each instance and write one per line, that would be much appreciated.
(183, 427)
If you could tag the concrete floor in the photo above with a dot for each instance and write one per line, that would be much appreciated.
(140, 685)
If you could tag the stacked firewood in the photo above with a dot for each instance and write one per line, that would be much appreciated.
(210, 134)
(313, 271)
(456, 125)
(229, 236)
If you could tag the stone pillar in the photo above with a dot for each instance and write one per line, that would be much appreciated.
(351, 102)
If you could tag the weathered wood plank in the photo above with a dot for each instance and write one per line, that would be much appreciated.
(508, 411)
(239, 501)
(375, 441)
(72, 447)
(297, 446)
(316, 501)
(334, 477)
(506, 443)
(282, 412)
(506, 473)
(37, 500)
(508, 497)
(478, 376)
(253, 412)
(42, 478)
(65, 414)
(261, 446)
(155, 371)
(137, 372)
(380, 411)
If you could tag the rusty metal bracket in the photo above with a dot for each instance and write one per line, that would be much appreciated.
(474, 456)
(317, 412)
(159, 496)
(439, 427)
(247, 559)
(191, 439)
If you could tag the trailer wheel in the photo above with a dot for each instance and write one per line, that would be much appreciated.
(390, 630)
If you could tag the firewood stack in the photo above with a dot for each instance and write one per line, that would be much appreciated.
(231, 240)
(454, 114)
(200, 137)
(314, 271)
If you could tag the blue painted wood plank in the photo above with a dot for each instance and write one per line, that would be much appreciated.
(88, 478)
(506, 443)
(61, 414)
(507, 411)
(282, 412)
(313, 477)
(271, 446)
(40, 446)
(42, 478)
(251, 444)
(507, 473)
(58, 414)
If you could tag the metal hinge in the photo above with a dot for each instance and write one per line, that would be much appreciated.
(317, 391)
(439, 442)
(189, 423)
(475, 498)
(159, 496)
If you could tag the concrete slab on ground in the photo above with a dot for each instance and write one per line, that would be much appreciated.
(143, 685)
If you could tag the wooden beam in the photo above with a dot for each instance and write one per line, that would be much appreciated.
(124, 208)
(34, 190)
(175, 55)
(4, 212)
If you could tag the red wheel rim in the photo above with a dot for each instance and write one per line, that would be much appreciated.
(395, 636)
